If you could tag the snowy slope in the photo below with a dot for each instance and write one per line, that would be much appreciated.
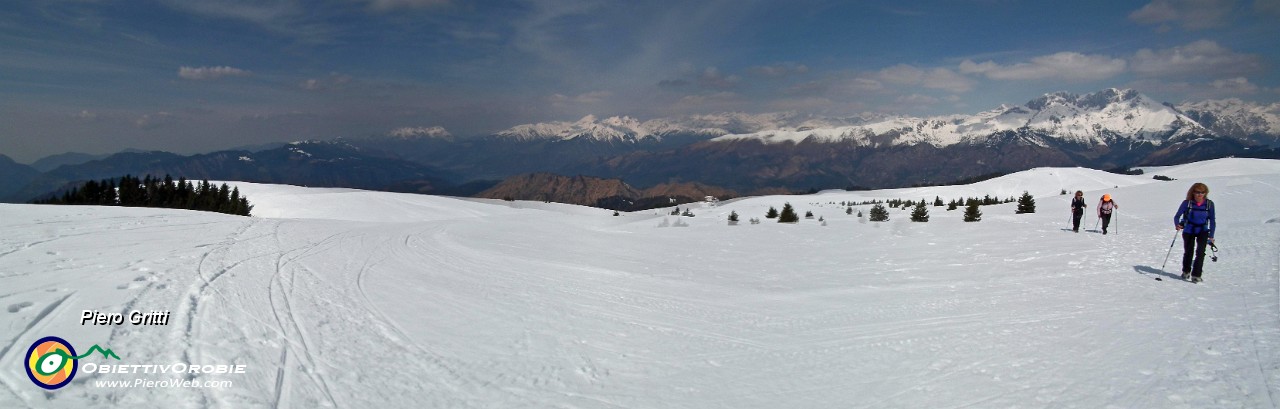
(1094, 119)
(420, 301)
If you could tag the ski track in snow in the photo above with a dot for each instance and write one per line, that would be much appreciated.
(549, 306)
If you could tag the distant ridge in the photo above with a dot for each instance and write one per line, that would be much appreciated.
(606, 193)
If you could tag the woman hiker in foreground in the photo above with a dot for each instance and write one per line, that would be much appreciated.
(1196, 220)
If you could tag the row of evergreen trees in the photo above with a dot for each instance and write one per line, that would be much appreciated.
(937, 201)
(879, 213)
(167, 193)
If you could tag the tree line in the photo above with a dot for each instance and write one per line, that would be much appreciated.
(129, 191)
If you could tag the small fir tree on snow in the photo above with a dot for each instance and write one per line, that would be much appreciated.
(615, 213)
(808, 214)
(937, 201)
(849, 210)
(879, 213)
(788, 214)
(859, 214)
(1064, 191)
(971, 212)
(733, 217)
(771, 214)
(920, 213)
(1026, 204)
(952, 205)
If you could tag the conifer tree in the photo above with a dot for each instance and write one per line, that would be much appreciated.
(848, 210)
(771, 214)
(971, 212)
(733, 217)
(879, 213)
(788, 214)
(1026, 204)
(937, 201)
(920, 213)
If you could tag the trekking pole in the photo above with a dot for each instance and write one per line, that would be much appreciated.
(1166, 254)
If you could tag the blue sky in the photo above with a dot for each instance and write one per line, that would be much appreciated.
(193, 76)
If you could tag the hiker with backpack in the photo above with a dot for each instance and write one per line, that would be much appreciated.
(1196, 219)
(1105, 207)
(1077, 211)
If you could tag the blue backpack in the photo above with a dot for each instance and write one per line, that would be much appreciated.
(1196, 218)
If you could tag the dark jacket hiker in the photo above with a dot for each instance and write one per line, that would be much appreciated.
(1077, 211)
(1197, 220)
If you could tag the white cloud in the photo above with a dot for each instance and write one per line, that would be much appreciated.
(334, 80)
(778, 70)
(945, 79)
(152, 121)
(717, 101)
(210, 73)
(85, 115)
(1267, 6)
(712, 78)
(936, 78)
(803, 104)
(1235, 86)
(287, 17)
(388, 5)
(901, 74)
(593, 97)
(917, 100)
(1200, 57)
(1064, 66)
(1190, 14)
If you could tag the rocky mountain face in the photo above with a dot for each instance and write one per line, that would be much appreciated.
(1102, 118)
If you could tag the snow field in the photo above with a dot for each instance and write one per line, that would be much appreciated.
(339, 298)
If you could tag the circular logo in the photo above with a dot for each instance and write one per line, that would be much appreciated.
(51, 363)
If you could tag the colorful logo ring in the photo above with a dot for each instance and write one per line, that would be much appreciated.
(51, 363)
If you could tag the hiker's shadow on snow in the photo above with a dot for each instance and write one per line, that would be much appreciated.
(1155, 272)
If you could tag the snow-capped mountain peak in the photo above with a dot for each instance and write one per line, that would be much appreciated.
(1237, 119)
(625, 128)
(613, 128)
(1098, 118)
(408, 132)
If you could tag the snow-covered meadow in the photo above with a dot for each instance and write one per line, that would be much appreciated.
(345, 298)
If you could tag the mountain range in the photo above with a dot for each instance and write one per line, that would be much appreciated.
(729, 154)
